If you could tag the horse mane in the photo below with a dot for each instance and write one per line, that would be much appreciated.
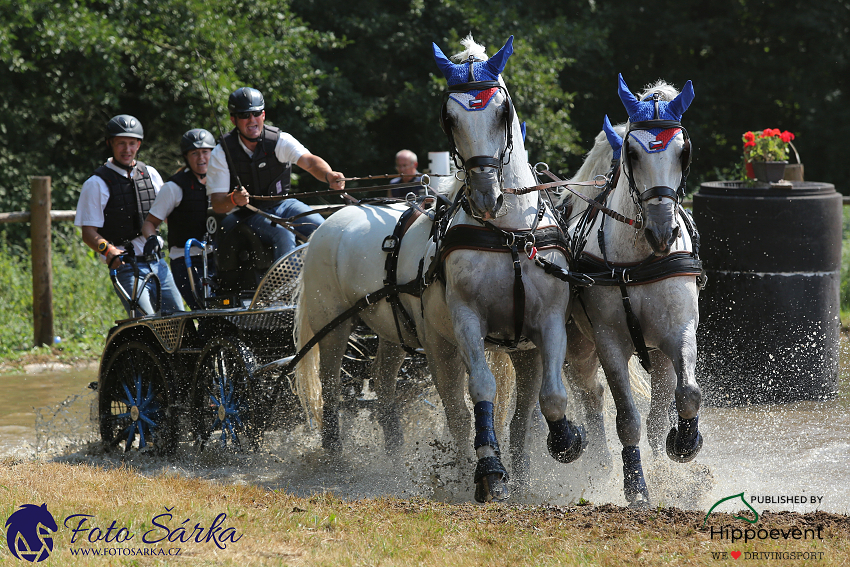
(665, 90)
(472, 48)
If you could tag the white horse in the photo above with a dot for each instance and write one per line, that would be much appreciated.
(489, 290)
(648, 268)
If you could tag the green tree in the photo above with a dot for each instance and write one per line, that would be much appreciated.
(65, 71)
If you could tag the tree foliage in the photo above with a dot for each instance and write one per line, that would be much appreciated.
(355, 81)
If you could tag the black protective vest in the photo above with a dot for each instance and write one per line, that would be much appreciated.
(128, 204)
(189, 218)
(261, 174)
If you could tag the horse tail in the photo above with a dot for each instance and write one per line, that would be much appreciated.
(308, 385)
(637, 378)
(505, 374)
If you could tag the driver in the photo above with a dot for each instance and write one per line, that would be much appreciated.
(260, 157)
(112, 206)
(183, 201)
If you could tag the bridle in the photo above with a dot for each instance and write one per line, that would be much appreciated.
(658, 191)
(466, 165)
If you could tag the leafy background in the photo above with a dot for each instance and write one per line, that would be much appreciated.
(355, 81)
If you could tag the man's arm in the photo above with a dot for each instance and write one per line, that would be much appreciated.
(319, 168)
(218, 180)
(223, 203)
(93, 239)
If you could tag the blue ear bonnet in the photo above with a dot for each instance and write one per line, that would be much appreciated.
(643, 110)
(458, 73)
(613, 137)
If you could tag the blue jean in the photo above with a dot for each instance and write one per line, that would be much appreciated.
(279, 238)
(171, 300)
(181, 277)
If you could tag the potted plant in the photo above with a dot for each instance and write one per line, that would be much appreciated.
(767, 153)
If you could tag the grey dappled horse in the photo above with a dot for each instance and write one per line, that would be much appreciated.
(653, 164)
(472, 304)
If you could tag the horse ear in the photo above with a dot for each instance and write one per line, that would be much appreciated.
(630, 101)
(443, 62)
(680, 104)
(613, 137)
(500, 59)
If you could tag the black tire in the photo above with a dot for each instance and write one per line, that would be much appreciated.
(224, 408)
(134, 406)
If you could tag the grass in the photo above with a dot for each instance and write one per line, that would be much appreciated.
(84, 303)
(275, 528)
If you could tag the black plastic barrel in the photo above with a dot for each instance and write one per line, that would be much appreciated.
(769, 316)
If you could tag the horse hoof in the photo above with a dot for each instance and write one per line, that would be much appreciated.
(491, 480)
(638, 501)
(491, 488)
(568, 442)
(682, 455)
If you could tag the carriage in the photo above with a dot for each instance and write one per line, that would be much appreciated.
(213, 375)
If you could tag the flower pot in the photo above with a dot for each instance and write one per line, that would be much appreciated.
(769, 171)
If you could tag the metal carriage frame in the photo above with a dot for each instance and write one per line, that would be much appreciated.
(200, 371)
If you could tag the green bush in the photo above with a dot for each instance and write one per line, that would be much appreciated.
(84, 304)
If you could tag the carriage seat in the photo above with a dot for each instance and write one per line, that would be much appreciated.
(241, 258)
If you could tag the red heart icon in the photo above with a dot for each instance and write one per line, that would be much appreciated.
(735, 554)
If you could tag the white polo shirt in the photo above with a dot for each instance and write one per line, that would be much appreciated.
(94, 195)
(287, 150)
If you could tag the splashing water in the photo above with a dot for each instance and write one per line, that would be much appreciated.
(761, 450)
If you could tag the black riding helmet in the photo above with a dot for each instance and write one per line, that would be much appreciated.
(124, 125)
(245, 99)
(196, 139)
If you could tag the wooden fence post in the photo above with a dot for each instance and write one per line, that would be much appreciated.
(42, 263)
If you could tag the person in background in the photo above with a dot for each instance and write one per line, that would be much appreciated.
(262, 158)
(111, 209)
(183, 202)
(405, 163)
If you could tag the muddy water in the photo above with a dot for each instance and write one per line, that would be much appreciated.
(767, 452)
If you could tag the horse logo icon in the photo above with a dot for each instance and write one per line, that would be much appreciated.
(28, 532)
(744, 500)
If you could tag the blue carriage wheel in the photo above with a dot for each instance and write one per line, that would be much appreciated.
(134, 409)
(223, 403)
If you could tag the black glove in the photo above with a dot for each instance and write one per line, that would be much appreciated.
(153, 246)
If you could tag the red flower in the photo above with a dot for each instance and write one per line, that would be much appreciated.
(750, 138)
(786, 136)
(749, 144)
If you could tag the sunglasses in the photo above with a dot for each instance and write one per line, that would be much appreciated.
(247, 115)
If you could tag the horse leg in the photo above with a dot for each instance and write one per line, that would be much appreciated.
(663, 386)
(582, 371)
(332, 348)
(491, 478)
(527, 369)
(388, 360)
(448, 373)
(566, 442)
(615, 355)
(685, 441)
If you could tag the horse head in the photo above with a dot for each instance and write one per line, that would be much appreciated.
(478, 117)
(656, 158)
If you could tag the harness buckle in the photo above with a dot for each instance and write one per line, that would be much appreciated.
(390, 243)
(511, 239)
(530, 248)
